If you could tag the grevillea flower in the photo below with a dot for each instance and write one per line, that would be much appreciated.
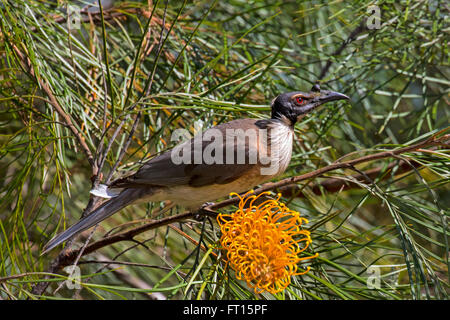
(264, 242)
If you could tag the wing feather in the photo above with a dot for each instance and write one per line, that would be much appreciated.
(163, 171)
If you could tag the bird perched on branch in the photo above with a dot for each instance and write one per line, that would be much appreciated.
(231, 157)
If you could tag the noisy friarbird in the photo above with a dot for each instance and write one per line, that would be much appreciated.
(230, 157)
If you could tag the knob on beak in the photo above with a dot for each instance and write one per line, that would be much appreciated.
(316, 88)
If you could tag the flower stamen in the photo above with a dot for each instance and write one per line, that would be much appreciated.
(262, 242)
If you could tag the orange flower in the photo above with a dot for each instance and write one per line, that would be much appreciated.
(263, 242)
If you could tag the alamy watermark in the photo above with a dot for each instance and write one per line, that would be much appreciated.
(74, 279)
(73, 17)
(374, 19)
(390, 278)
(229, 146)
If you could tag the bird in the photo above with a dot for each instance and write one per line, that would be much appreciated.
(237, 156)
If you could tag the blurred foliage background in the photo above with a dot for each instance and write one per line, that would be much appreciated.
(121, 78)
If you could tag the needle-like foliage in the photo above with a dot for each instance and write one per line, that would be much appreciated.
(89, 93)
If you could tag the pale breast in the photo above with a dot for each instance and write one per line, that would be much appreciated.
(281, 139)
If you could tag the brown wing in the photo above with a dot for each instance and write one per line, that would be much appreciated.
(163, 171)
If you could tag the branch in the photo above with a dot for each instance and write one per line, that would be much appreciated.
(67, 257)
(332, 185)
(433, 141)
(26, 65)
(123, 275)
(350, 39)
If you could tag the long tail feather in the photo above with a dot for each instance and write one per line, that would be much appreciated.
(107, 209)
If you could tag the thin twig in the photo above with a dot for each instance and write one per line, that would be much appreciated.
(26, 64)
(338, 51)
(146, 92)
(80, 253)
(335, 184)
(124, 149)
(101, 143)
(125, 236)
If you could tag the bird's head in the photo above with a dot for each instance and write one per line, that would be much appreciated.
(292, 106)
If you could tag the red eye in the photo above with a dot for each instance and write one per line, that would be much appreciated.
(299, 100)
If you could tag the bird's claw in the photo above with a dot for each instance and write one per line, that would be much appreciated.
(203, 211)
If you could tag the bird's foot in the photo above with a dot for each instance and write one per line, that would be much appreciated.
(203, 211)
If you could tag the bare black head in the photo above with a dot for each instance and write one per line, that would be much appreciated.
(291, 106)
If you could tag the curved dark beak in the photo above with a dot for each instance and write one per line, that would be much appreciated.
(327, 96)
(319, 97)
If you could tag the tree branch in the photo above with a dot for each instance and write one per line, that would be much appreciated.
(67, 257)
(433, 141)
(350, 39)
(332, 185)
